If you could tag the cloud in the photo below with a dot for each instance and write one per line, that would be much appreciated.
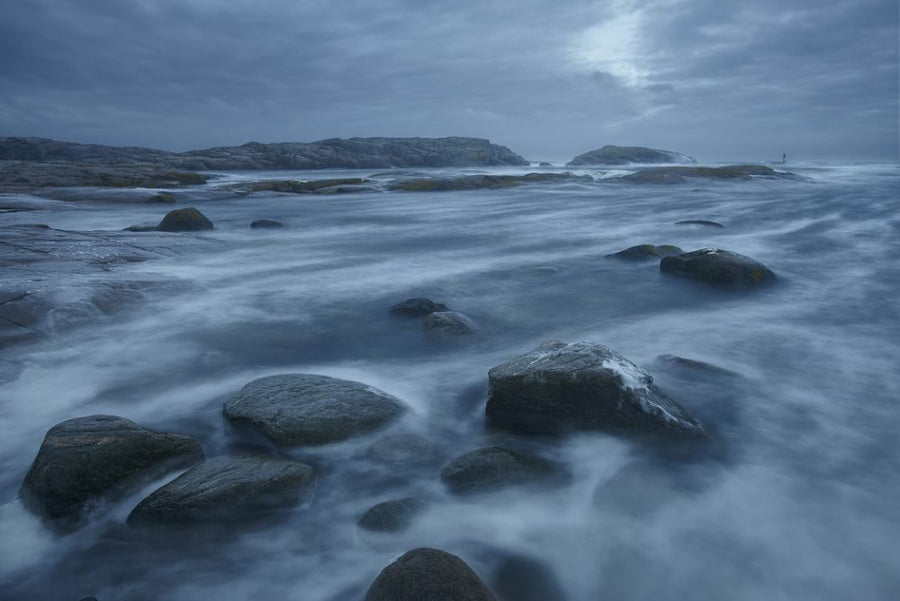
(549, 81)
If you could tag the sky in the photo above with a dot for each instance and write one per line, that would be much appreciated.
(719, 80)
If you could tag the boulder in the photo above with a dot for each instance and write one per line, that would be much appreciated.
(561, 387)
(428, 574)
(392, 516)
(184, 220)
(625, 155)
(86, 461)
(403, 449)
(417, 307)
(307, 409)
(265, 224)
(495, 468)
(445, 325)
(226, 489)
(643, 252)
(719, 268)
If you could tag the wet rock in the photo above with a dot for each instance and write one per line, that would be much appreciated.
(521, 578)
(689, 366)
(478, 182)
(226, 489)
(307, 409)
(392, 516)
(495, 468)
(184, 220)
(699, 222)
(625, 155)
(429, 574)
(644, 252)
(417, 307)
(403, 449)
(719, 268)
(266, 224)
(141, 227)
(445, 325)
(88, 460)
(678, 175)
(561, 387)
(545, 164)
(164, 197)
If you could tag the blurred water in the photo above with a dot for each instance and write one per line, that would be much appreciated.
(802, 504)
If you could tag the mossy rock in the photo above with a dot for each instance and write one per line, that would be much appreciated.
(184, 220)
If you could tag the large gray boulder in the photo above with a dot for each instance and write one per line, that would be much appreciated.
(561, 387)
(719, 268)
(495, 468)
(625, 155)
(308, 409)
(87, 461)
(428, 575)
(226, 489)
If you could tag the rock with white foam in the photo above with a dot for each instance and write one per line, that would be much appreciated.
(580, 386)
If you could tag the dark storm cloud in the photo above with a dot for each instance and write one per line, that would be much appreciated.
(705, 77)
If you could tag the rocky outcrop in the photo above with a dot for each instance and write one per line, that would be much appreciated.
(354, 153)
(626, 155)
(679, 175)
(307, 409)
(21, 175)
(477, 182)
(428, 574)
(226, 489)
(447, 325)
(643, 252)
(561, 387)
(184, 220)
(718, 267)
(495, 468)
(86, 461)
(392, 516)
(417, 307)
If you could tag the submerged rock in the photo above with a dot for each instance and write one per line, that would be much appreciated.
(689, 366)
(445, 325)
(265, 224)
(477, 182)
(307, 409)
(226, 489)
(428, 574)
(705, 222)
(417, 307)
(678, 175)
(521, 578)
(644, 252)
(88, 460)
(403, 449)
(495, 468)
(719, 268)
(625, 155)
(559, 387)
(392, 516)
(184, 220)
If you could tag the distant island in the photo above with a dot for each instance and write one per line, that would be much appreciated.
(350, 153)
(626, 155)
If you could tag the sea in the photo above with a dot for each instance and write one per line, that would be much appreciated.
(797, 383)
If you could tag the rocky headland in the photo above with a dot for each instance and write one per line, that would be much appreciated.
(628, 155)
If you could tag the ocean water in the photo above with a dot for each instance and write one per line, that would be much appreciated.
(801, 501)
